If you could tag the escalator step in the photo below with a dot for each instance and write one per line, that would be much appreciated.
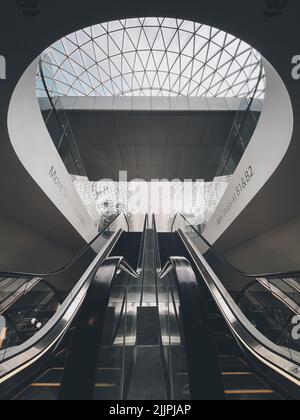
(148, 381)
(46, 387)
(225, 344)
(242, 384)
(218, 324)
(40, 393)
(232, 364)
(106, 391)
(110, 357)
(53, 375)
(211, 306)
(179, 361)
(243, 381)
(60, 360)
(107, 385)
(181, 386)
(247, 395)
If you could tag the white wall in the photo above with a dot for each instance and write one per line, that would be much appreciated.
(36, 151)
(263, 155)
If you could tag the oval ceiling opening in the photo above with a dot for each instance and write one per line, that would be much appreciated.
(153, 57)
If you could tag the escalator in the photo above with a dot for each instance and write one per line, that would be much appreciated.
(39, 311)
(155, 316)
(129, 327)
(253, 317)
(240, 380)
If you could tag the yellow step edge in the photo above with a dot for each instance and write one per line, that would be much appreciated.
(105, 385)
(61, 369)
(237, 374)
(249, 391)
(45, 385)
(56, 385)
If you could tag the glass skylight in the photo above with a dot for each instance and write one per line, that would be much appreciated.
(154, 57)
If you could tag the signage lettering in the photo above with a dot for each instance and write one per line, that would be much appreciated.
(55, 178)
(239, 189)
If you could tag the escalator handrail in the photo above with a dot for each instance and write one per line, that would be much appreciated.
(74, 260)
(228, 264)
(79, 374)
(142, 246)
(19, 362)
(142, 256)
(278, 358)
(158, 259)
(199, 342)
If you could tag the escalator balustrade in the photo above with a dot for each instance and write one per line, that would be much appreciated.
(257, 308)
(152, 325)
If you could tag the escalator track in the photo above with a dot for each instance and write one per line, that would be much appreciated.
(97, 367)
(52, 383)
(259, 332)
(38, 317)
(168, 320)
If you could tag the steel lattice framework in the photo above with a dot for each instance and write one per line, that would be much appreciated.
(153, 57)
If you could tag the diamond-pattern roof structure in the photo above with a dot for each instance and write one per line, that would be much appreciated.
(154, 57)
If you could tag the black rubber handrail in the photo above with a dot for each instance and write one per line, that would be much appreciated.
(80, 370)
(141, 251)
(75, 259)
(205, 378)
(227, 263)
(251, 276)
(157, 258)
(142, 256)
(16, 375)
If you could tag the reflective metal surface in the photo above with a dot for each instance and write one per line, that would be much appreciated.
(284, 359)
(48, 318)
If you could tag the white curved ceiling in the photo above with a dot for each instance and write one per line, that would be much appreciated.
(152, 57)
